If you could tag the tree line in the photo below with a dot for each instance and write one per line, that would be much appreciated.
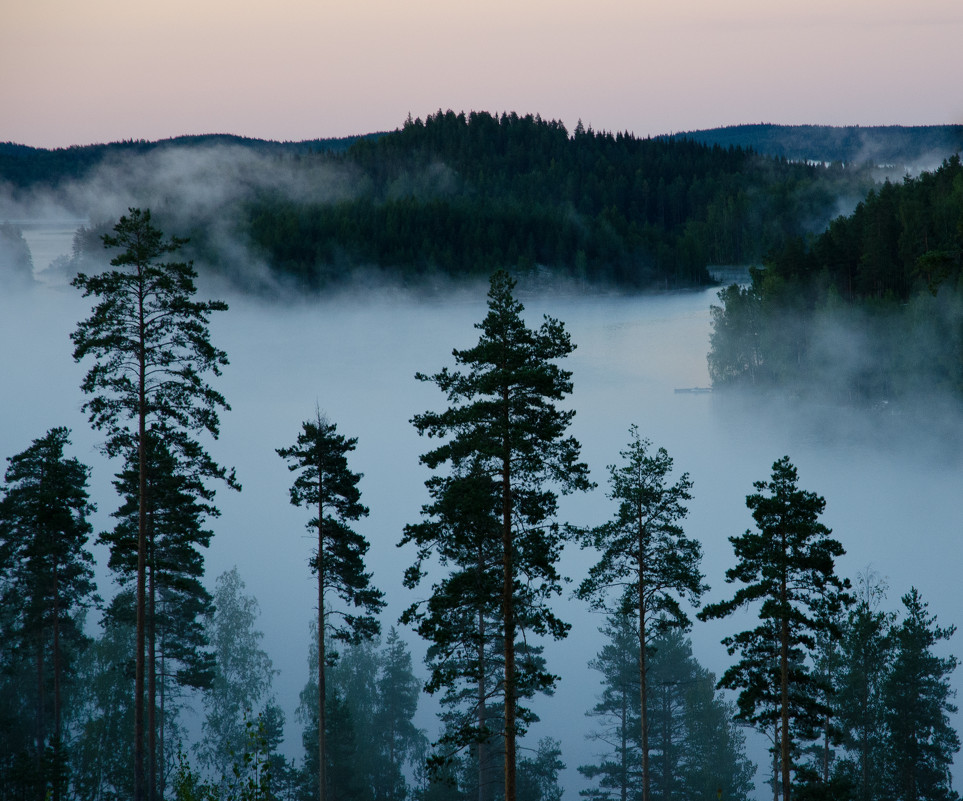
(855, 701)
(459, 194)
(886, 282)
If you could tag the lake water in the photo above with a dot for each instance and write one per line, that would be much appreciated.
(892, 482)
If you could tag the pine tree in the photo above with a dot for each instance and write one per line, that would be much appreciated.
(177, 503)
(787, 568)
(646, 559)
(151, 348)
(503, 423)
(325, 483)
(46, 582)
(462, 530)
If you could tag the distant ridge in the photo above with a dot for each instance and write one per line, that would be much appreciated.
(22, 165)
(913, 147)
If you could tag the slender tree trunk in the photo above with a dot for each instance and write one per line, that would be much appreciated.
(57, 670)
(40, 734)
(483, 778)
(322, 745)
(508, 611)
(140, 788)
(666, 743)
(643, 666)
(152, 674)
(624, 750)
(162, 778)
(784, 689)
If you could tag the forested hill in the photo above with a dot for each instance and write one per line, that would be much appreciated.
(454, 195)
(904, 147)
(24, 167)
(460, 194)
(871, 308)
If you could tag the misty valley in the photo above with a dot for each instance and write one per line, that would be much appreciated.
(541, 565)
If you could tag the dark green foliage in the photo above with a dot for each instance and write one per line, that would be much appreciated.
(461, 195)
(371, 704)
(697, 749)
(177, 505)
(918, 701)
(460, 619)
(325, 483)
(151, 348)
(647, 562)
(103, 751)
(146, 316)
(46, 584)
(787, 571)
(871, 308)
(504, 433)
(866, 657)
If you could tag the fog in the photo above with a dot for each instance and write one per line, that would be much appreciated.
(892, 481)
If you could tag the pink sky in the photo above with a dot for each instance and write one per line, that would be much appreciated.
(102, 70)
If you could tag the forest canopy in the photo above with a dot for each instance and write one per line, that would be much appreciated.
(871, 308)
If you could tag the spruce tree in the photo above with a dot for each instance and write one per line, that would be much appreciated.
(325, 483)
(921, 742)
(151, 348)
(787, 569)
(46, 582)
(503, 423)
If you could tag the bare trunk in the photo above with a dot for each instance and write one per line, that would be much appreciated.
(152, 676)
(140, 784)
(643, 665)
(162, 778)
(784, 689)
(483, 777)
(508, 613)
(56, 678)
(322, 745)
(40, 734)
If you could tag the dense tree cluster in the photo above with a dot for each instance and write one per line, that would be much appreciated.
(461, 194)
(855, 700)
(873, 307)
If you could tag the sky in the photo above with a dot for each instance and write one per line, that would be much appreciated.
(106, 70)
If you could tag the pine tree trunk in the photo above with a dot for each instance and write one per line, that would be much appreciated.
(140, 788)
(643, 666)
(151, 676)
(483, 778)
(784, 690)
(56, 678)
(322, 745)
(508, 613)
(40, 734)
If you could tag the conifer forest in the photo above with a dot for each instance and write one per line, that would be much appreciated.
(129, 670)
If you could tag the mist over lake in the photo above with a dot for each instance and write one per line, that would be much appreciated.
(892, 478)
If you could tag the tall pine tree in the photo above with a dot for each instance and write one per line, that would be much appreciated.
(151, 348)
(646, 559)
(325, 483)
(787, 569)
(504, 423)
